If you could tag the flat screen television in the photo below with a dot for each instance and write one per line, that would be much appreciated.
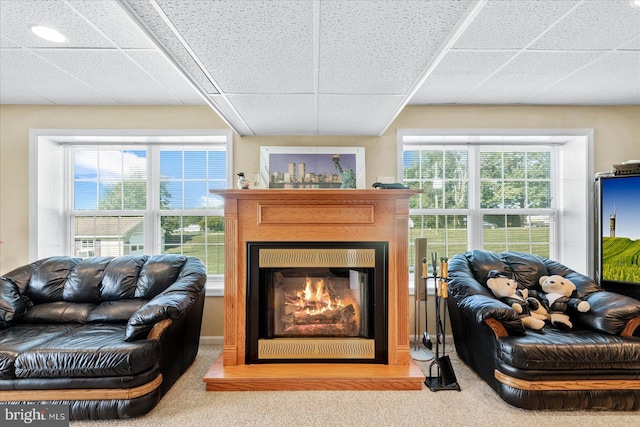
(618, 233)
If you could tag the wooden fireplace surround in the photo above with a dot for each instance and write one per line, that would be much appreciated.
(315, 216)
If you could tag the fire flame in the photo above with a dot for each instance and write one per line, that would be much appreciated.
(316, 299)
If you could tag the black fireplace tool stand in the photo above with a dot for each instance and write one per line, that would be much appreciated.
(441, 375)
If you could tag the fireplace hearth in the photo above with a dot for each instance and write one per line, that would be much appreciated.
(316, 302)
(329, 323)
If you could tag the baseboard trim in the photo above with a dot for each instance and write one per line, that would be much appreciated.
(211, 340)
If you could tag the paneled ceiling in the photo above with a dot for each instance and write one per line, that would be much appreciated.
(329, 67)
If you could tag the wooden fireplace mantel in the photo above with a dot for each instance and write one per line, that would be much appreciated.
(315, 216)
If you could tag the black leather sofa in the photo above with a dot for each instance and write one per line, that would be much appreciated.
(594, 365)
(106, 336)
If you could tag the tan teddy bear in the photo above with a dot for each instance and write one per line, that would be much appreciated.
(558, 298)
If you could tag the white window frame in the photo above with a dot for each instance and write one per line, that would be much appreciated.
(50, 198)
(573, 172)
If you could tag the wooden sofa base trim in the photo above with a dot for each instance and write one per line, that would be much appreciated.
(81, 394)
(566, 384)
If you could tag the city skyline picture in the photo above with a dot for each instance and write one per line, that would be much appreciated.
(308, 170)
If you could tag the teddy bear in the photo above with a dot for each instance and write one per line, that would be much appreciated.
(507, 291)
(558, 298)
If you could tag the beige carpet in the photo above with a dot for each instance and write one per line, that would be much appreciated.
(188, 404)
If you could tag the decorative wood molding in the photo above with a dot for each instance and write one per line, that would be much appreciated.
(497, 327)
(631, 327)
(158, 329)
(81, 394)
(566, 385)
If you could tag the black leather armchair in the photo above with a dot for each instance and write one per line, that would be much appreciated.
(594, 365)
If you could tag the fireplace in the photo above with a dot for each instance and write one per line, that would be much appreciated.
(350, 247)
(310, 302)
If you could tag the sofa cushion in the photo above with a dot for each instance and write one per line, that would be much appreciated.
(59, 312)
(12, 305)
(116, 311)
(22, 337)
(47, 281)
(157, 274)
(85, 279)
(558, 350)
(121, 276)
(92, 350)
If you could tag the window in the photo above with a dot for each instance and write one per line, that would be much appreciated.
(144, 195)
(497, 192)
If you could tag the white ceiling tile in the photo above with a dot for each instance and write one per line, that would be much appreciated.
(381, 47)
(458, 73)
(595, 24)
(151, 19)
(34, 78)
(259, 46)
(278, 114)
(6, 43)
(614, 79)
(111, 72)
(168, 76)
(10, 94)
(528, 74)
(113, 21)
(509, 24)
(632, 44)
(54, 14)
(356, 114)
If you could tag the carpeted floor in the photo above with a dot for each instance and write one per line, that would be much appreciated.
(188, 404)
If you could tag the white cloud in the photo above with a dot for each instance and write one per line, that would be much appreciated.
(112, 164)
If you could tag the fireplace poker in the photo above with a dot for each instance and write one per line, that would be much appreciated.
(426, 338)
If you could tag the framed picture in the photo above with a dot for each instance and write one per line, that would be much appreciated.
(312, 167)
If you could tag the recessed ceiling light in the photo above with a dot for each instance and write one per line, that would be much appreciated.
(635, 3)
(48, 34)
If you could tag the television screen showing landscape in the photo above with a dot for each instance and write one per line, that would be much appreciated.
(620, 219)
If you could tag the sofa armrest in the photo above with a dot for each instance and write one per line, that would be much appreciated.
(610, 312)
(158, 329)
(482, 308)
(632, 328)
(172, 303)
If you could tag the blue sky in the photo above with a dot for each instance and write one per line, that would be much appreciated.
(624, 193)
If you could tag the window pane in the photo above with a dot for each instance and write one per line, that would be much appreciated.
(199, 236)
(491, 194)
(85, 196)
(195, 194)
(107, 235)
(171, 165)
(514, 194)
(490, 165)
(195, 164)
(172, 195)
(516, 232)
(539, 165)
(539, 194)
(514, 164)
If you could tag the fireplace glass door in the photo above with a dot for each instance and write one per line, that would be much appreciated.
(316, 301)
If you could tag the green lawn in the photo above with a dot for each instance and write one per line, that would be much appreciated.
(494, 240)
(620, 259)
(209, 250)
